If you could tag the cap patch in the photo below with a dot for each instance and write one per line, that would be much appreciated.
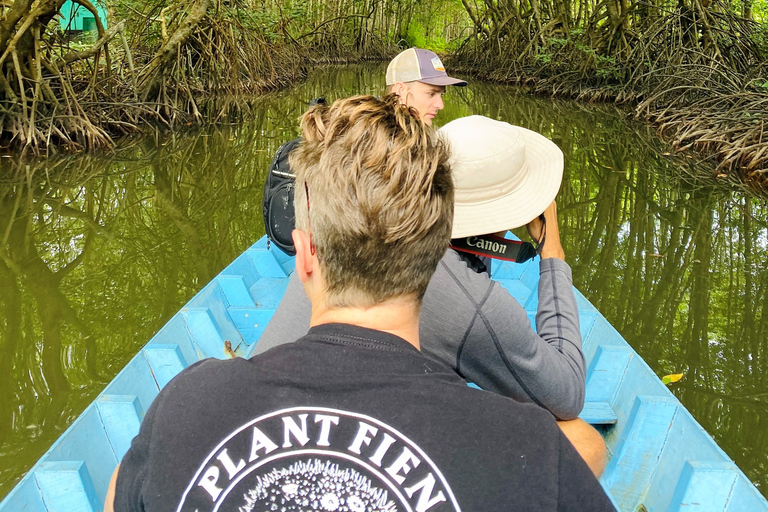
(437, 64)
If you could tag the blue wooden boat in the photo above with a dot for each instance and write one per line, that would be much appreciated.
(661, 458)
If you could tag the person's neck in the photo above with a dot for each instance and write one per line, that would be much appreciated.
(399, 317)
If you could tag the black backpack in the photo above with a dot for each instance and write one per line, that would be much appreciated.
(277, 208)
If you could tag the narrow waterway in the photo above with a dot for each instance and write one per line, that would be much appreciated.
(98, 253)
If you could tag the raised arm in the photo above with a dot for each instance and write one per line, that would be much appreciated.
(476, 325)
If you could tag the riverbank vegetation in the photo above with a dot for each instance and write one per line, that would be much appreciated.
(170, 63)
(697, 69)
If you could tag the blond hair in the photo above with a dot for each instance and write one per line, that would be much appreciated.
(374, 190)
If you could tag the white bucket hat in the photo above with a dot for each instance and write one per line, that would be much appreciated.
(504, 176)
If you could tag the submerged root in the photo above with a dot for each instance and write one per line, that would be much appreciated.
(731, 127)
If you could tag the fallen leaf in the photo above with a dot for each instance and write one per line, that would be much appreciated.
(669, 379)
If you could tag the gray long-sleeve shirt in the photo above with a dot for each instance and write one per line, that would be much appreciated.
(472, 324)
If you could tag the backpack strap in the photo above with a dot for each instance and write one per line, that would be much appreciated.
(277, 206)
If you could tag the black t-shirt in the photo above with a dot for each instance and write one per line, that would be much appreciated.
(346, 419)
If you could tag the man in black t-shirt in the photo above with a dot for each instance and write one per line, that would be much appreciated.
(352, 417)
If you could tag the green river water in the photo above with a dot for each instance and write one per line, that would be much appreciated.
(98, 253)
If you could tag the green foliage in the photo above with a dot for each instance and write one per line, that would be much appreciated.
(438, 27)
(543, 56)
(296, 9)
(434, 24)
(759, 11)
(760, 36)
(558, 50)
(606, 68)
(143, 21)
(264, 20)
(415, 35)
(547, 54)
(555, 42)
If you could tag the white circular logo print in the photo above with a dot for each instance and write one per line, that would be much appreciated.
(316, 485)
(317, 459)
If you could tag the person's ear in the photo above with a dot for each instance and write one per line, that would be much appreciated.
(401, 90)
(305, 260)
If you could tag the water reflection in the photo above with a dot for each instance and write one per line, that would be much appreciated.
(98, 253)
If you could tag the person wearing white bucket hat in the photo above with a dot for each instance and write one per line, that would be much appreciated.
(470, 322)
(506, 177)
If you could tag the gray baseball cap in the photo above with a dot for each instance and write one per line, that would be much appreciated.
(418, 65)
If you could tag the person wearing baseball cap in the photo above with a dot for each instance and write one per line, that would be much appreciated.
(418, 77)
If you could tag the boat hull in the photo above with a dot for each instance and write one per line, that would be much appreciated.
(661, 459)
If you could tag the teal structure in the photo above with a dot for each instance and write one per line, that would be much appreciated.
(76, 18)
(660, 457)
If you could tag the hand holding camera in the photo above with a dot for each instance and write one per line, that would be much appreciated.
(548, 233)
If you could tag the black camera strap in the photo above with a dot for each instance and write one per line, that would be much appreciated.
(495, 247)
(500, 248)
